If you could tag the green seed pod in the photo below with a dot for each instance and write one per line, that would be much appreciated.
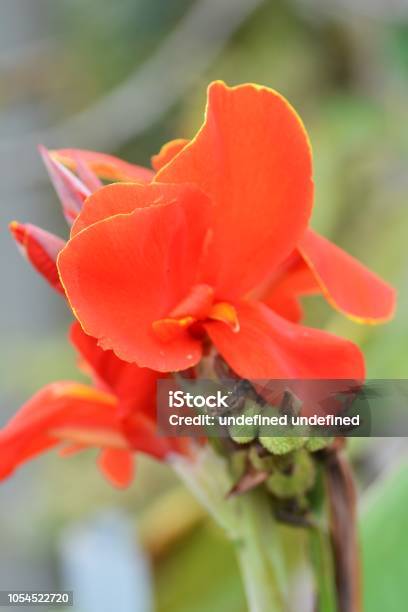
(317, 443)
(239, 438)
(282, 445)
(298, 481)
(262, 464)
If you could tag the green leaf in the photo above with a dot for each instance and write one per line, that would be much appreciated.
(200, 574)
(384, 536)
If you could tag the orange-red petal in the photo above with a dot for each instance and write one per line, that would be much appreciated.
(103, 165)
(41, 249)
(169, 329)
(289, 282)
(268, 346)
(141, 434)
(88, 176)
(71, 449)
(286, 306)
(117, 465)
(253, 158)
(346, 283)
(167, 152)
(134, 387)
(37, 426)
(196, 304)
(127, 271)
(123, 198)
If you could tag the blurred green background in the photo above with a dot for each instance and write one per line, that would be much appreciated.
(124, 77)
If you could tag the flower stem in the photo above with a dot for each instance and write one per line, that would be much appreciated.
(249, 523)
(260, 555)
(321, 555)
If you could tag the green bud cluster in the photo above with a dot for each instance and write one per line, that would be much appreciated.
(287, 463)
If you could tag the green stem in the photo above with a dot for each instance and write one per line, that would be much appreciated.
(322, 558)
(249, 523)
(260, 555)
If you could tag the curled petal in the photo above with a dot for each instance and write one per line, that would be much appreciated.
(268, 347)
(346, 283)
(41, 249)
(104, 166)
(59, 407)
(289, 282)
(129, 270)
(252, 158)
(71, 449)
(55, 404)
(80, 416)
(167, 152)
(71, 191)
(117, 465)
(88, 176)
(225, 312)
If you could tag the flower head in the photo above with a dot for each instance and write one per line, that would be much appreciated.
(210, 248)
(205, 248)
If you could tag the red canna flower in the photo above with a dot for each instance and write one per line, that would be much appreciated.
(316, 266)
(218, 242)
(116, 415)
(211, 243)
